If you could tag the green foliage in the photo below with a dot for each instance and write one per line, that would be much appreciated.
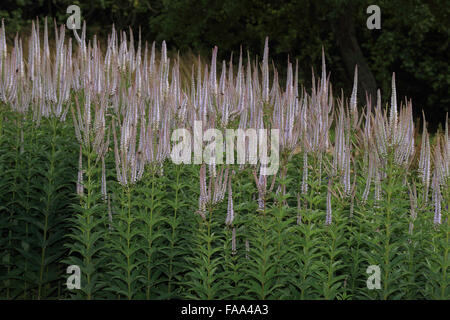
(87, 233)
(413, 40)
(36, 206)
(160, 231)
(157, 247)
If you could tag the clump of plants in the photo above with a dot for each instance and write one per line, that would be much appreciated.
(87, 180)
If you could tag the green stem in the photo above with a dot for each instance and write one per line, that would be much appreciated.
(47, 208)
(130, 294)
(172, 240)
(150, 238)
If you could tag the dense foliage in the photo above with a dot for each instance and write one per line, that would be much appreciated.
(87, 180)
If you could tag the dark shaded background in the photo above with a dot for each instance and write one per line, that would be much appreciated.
(413, 41)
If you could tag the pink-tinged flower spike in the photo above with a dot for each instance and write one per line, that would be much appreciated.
(3, 47)
(369, 177)
(299, 207)
(203, 198)
(445, 163)
(367, 136)
(223, 78)
(117, 155)
(233, 241)
(353, 192)
(425, 161)
(223, 184)
(103, 184)
(393, 113)
(80, 187)
(261, 184)
(265, 72)
(305, 174)
(377, 187)
(164, 70)
(220, 186)
(346, 176)
(213, 74)
(329, 210)
(341, 139)
(239, 76)
(353, 99)
(379, 128)
(436, 197)
(323, 88)
(230, 209)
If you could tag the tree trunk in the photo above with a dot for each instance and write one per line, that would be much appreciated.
(344, 29)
